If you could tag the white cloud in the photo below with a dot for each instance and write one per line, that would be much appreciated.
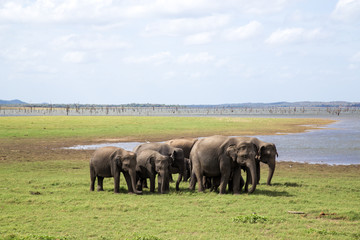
(95, 10)
(347, 10)
(189, 58)
(180, 6)
(247, 31)
(156, 59)
(164, 57)
(199, 38)
(261, 7)
(21, 53)
(291, 35)
(356, 57)
(176, 27)
(89, 42)
(78, 11)
(74, 57)
(54, 10)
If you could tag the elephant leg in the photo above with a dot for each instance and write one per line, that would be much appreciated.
(144, 183)
(139, 185)
(215, 183)
(199, 177)
(152, 183)
(207, 182)
(248, 180)
(258, 171)
(171, 178)
(236, 180)
(117, 182)
(242, 183)
(231, 184)
(159, 183)
(100, 183)
(223, 182)
(92, 179)
(192, 182)
(178, 181)
(167, 184)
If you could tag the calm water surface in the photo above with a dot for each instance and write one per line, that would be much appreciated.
(339, 144)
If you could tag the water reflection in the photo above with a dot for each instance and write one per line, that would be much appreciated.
(340, 144)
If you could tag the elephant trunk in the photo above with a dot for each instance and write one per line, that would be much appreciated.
(132, 174)
(271, 171)
(252, 168)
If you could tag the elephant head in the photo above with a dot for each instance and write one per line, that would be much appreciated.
(243, 154)
(126, 162)
(162, 168)
(178, 161)
(160, 164)
(267, 154)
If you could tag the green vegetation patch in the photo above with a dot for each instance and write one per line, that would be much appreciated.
(51, 200)
(252, 218)
(147, 127)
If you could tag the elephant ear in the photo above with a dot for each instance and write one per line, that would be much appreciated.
(172, 157)
(151, 160)
(115, 156)
(177, 153)
(261, 148)
(231, 151)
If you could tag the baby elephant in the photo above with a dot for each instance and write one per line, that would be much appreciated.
(109, 162)
(150, 163)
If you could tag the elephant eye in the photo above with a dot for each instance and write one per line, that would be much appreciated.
(245, 156)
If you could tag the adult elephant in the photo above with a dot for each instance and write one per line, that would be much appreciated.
(109, 162)
(149, 164)
(267, 154)
(176, 154)
(221, 156)
(186, 144)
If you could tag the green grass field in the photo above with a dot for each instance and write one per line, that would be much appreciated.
(51, 199)
(147, 127)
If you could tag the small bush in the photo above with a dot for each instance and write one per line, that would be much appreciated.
(253, 218)
(146, 237)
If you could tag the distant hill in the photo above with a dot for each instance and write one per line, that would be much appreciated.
(284, 104)
(11, 102)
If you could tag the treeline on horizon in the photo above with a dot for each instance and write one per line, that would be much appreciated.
(18, 103)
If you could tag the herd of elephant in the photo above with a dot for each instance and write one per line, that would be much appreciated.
(212, 162)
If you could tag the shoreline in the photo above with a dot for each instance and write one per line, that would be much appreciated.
(47, 148)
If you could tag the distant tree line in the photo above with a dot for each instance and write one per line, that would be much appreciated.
(18, 103)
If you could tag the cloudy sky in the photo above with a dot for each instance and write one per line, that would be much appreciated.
(179, 51)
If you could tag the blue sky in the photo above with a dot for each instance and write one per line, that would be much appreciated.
(180, 51)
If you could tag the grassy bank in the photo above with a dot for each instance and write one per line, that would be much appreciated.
(145, 128)
(45, 189)
(51, 200)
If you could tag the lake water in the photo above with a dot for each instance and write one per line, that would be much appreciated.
(339, 144)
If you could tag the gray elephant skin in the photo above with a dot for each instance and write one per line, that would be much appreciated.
(176, 154)
(149, 164)
(186, 144)
(221, 156)
(267, 154)
(109, 162)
